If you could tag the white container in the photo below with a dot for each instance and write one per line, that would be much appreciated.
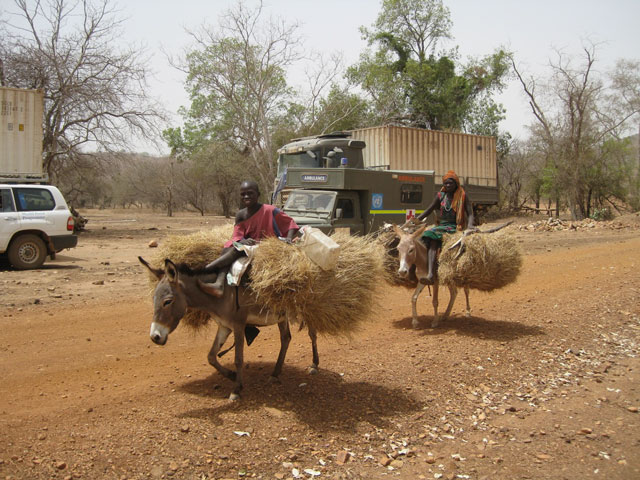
(21, 114)
(320, 249)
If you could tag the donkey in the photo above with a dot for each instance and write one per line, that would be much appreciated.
(412, 251)
(180, 287)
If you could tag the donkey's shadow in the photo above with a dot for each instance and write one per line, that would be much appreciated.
(326, 401)
(472, 326)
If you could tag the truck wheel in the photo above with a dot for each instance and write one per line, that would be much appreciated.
(27, 252)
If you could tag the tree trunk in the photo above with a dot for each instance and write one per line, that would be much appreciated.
(169, 202)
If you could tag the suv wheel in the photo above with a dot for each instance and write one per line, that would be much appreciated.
(27, 252)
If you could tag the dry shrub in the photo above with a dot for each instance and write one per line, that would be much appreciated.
(333, 302)
(489, 261)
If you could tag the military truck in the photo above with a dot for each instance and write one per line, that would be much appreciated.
(356, 199)
(473, 157)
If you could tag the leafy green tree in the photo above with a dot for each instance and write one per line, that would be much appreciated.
(237, 85)
(410, 82)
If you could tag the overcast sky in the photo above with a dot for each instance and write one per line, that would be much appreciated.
(530, 29)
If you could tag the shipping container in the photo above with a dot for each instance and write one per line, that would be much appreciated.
(21, 114)
(472, 157)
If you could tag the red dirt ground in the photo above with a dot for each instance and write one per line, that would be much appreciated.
(542, 381)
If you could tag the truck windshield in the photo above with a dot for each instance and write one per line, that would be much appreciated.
(311, 202)
(299, 159)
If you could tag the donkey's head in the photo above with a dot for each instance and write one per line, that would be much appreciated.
(169, 301)
(407, 249)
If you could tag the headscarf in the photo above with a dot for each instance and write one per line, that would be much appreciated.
(458, 198)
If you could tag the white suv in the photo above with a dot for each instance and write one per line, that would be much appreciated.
(34, 222)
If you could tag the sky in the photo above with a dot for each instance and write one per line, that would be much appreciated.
(532, 30)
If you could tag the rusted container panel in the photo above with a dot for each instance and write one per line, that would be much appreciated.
(473, 157)
(21, 133)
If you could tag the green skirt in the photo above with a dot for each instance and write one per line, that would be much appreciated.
(436, 232)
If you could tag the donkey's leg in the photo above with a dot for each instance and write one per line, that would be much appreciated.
(285, 338)
(313, 369)
(466, 295)
(238, 337)
(453, 293)
(434, 302)
(414, 309)
(221, 336)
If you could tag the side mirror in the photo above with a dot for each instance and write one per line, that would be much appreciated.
(339, 213)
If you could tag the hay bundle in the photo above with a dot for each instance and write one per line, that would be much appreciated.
(333, 302)
(196, 249)
(489, 261)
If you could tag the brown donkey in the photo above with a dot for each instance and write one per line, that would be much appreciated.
(412, 251)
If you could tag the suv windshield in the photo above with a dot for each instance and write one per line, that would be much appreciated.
(310, 201)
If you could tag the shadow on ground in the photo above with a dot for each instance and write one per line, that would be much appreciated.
(473, 326)
(323, 402)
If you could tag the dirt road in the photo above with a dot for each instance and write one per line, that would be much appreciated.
(542, 381)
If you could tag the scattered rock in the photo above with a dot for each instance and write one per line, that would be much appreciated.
(274, 412)
(342, 457)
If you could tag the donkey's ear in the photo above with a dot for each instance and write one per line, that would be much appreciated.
(157, 272)
(170, 270)
(397, 230)
(419, 231)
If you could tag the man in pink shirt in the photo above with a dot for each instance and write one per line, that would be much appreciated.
(253, 223)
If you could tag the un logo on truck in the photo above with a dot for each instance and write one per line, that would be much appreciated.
(376, 201)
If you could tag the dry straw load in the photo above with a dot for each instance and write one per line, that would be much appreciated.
(196, 249)
(334, 302)
(490, 261)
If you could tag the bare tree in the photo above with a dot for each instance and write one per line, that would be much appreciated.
(95, 93)
(576, 112)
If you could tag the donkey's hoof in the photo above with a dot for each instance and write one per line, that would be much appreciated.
(274, 380)
(234, 397)
(415, 325)
(435, 323)
(313, 370)
(467, 314)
